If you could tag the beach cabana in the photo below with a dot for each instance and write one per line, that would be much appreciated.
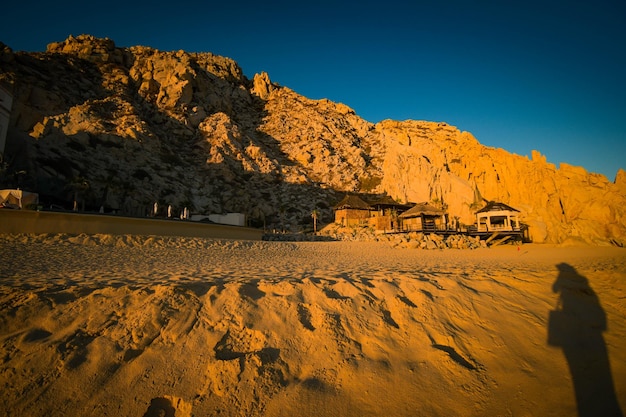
(352, 211)
(385, 213)
(17, 198)
(386, 203)
(423, 217)
(496, 217)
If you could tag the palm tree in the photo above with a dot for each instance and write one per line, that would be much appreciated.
(315, 214)
(79, 186)
(281, 213)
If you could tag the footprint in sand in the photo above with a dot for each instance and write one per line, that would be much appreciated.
(455, 356)
(406, 301)
(251, 290)
(160, 407)
(73, 349)
(304, 316)
(36, 335)
(167, 406)
(237, 343)
(388, 319)
(334, 295)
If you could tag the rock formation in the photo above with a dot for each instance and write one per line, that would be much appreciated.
(125, 127)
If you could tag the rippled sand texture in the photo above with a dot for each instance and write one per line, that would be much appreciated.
(148, 326)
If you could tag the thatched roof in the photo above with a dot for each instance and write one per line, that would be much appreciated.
(352, 202)
(496, 206)
(387, 201)
(422, 209)
(384, 200)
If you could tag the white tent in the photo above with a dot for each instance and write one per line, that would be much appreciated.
(17, 198)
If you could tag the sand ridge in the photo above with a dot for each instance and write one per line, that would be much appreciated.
(142, 325)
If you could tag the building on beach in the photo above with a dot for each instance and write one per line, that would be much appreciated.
(385, 213)
(495, 220)
(497, 217)
(424, 217)
(352, 211)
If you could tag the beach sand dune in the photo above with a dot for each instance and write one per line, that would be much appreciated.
(147, 326)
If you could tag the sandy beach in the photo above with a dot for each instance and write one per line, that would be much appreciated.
(128, 325)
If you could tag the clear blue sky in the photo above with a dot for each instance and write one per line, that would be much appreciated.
(542, 75)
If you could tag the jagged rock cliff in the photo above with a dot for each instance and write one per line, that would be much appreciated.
(124, 127)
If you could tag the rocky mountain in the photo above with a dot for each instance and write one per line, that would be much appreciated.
(126, 127)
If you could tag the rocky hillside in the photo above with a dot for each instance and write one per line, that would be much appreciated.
(125, 127)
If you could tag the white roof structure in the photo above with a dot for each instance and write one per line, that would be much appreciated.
(17, 198)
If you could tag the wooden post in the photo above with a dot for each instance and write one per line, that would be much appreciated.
(492, 237)
(500, 241)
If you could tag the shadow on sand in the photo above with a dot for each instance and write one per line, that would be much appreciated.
(576, 326)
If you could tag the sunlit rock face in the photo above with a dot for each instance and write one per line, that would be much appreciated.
(189, 129)
(436, 162)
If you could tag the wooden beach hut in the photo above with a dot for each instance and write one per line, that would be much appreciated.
(385, 213)
(497, 217)
(352, 211)
(423, 217)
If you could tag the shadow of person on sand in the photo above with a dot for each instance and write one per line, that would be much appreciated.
(576, 326)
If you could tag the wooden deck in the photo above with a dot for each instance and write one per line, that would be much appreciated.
(502, 235)
(493, 237)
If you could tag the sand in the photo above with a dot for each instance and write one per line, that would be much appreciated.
(103, 325)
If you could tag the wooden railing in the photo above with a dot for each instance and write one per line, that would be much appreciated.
(495, 228)
(427, 228)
